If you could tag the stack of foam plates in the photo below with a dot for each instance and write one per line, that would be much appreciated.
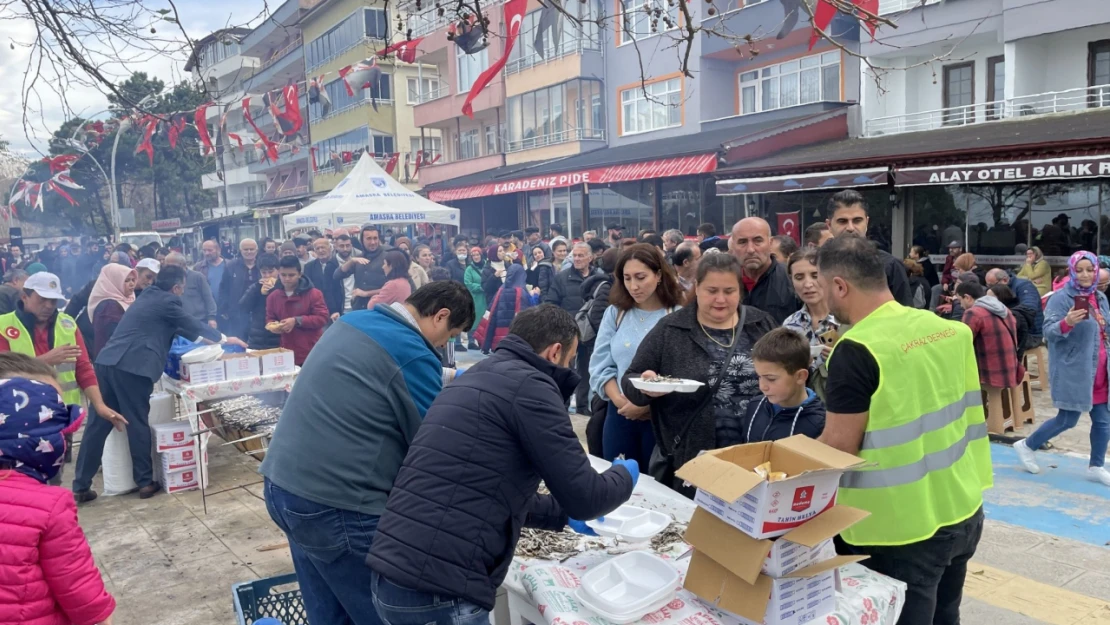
(679, 386)
(631, 524)
(628, 587)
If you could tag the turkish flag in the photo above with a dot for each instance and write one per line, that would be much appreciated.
(406, 50)
(822, 16)
(790, 225)
(514, 17)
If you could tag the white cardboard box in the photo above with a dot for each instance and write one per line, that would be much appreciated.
(203, 372)
(172, 435)
(179, 458)
(242, 366)
(184, 479)
(275, 360)
(786, 601)
(730, 489)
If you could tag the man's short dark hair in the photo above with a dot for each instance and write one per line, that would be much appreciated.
(844, 199)
(16, 365)
(267, 261)
(854, 259)
(787, 244)
(813, 233)
(302, 241)
(596, 245)
(974, 290)
(556, 228)
(545, 325)
(454, 296)
(343, 236)
(290, 262)
(920, 251)
(783, 347)
(707, 230)
(169, 276)
(435, 274)
(654, 239)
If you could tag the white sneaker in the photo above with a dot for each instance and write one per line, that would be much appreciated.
(1098, 474)
(1027, 457)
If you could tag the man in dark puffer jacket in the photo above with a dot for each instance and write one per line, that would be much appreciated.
(469, 481)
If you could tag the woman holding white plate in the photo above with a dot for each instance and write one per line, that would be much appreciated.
(709, 342)
(645, 290)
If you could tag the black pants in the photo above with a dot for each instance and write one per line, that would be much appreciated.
(129, 395)
(595, 428)
(933, 569)
(582, 392)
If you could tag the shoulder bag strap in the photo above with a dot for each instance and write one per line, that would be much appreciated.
(705, 403)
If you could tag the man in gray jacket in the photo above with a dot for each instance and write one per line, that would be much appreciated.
(197, 298)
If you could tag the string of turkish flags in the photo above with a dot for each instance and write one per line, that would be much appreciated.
(514, 17)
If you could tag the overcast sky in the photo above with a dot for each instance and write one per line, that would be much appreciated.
(199, 17)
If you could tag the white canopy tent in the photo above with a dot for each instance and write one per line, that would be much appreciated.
(369, 195)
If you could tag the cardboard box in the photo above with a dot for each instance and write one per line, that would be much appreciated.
(747, 557)
(177, 481)
(275, 360)
(730, 489)
(802, 597)
(203, 372)
(173, 435)
(238, 366)
(179, 458)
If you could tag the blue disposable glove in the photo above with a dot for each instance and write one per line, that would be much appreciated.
(631, 466)
(459, 372)
(580, 527)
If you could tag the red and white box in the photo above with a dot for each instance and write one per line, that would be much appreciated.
(179, 458)
(275, 360)
(182, 480)
(172, 435)
(242, 366)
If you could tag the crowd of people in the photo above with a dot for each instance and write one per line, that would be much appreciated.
(402, 481)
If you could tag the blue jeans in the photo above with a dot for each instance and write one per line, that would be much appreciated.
(634, 439)
(329, 548)
(398, 605)
(1066, 420)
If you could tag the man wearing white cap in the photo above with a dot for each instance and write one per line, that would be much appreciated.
(147, 270)
(37, 328)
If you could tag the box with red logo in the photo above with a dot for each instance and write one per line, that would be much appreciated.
(172, 435)
(729, 487)
(203, 372)
(184, 479)
(240, 366)
(179, 458)
(274, 360)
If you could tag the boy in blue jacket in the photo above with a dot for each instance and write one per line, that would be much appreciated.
(788, 407)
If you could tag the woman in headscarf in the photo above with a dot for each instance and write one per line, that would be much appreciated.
(542, 272)
(473, 281)
(112, 294)
(1036, 270)
(1075, 328)
(510, 300)
(120, 258)
(493, 276)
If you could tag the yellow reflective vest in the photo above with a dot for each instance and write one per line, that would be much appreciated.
(926, 435)
(65, 333)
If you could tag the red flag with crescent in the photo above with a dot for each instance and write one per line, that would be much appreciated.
(822, 16)
(514, 17)
(200, 120)
(406, 50)
(790, 225)
(392, 163)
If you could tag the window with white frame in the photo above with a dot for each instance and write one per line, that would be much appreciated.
(637, 17)
(421, 87)
(470, 145)
(433, 146)
(341, 100)
(470, 67)
(364, 23)
(801, 81)
(660, 107)
(491, 140)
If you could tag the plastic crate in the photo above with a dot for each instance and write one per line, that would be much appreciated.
(262, 598)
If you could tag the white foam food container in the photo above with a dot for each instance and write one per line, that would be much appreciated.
(682, 386)
(627, 587)
(631, 523)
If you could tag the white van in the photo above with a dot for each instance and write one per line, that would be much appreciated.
(139, 239)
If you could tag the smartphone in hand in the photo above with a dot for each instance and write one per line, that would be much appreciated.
(1081, 302)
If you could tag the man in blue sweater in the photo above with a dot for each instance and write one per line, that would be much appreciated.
(359, 399)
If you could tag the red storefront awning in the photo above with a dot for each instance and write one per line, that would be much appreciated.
(646, 170)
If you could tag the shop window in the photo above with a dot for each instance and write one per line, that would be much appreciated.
(630, 204)
(959, 94)
(1098, 72)
(683, 206)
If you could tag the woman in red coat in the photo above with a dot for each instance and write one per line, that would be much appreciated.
(297, 311)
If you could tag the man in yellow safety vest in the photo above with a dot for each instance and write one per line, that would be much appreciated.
(903, 393)
(38, 329)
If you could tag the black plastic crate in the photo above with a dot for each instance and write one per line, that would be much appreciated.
(278, 597)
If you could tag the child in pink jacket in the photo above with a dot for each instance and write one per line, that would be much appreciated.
(47, 574)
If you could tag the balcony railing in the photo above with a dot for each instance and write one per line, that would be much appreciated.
(340, 52)
(894, 6)
(430, 20)
(533, 58)
(434, 94)
(280, 54)
(1022, 106)
(286, 192)
(563, 136)
(327, 169)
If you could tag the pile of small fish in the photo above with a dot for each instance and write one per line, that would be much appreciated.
(666, 539)
(557, 546)
(247, 412)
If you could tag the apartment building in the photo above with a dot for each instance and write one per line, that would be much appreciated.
(338, 33)
(597, 123)
(983, 122)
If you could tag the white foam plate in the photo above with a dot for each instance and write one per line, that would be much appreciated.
(625, 588)
(631, 523)
(683, 386)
